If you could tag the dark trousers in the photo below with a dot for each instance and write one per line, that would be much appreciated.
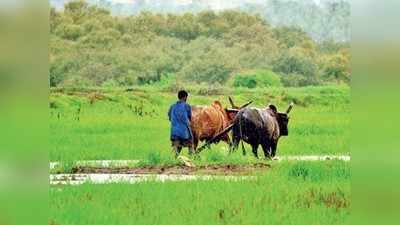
(177, 145)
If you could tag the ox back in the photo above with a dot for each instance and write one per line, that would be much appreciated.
(207, 121)
(256, 127)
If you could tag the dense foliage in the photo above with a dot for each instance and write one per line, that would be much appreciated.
(90, 47)
(322, 19)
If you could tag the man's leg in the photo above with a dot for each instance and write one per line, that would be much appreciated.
(177, 148)
(190, 145)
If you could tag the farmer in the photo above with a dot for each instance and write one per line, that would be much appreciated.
(180, 115)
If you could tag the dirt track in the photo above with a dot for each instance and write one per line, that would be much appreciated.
(179, 170)
(129, 171)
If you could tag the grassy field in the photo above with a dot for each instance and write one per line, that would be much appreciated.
(290, 193)
(118, 124)
(115, 124)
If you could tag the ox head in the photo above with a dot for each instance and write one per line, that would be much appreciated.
(235, 109)
(282, 118)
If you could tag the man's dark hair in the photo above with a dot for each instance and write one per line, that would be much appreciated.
(182, 94)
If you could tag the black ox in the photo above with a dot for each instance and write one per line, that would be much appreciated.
(263, 127)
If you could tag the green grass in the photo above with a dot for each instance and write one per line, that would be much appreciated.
(289, 193)
(110, 128)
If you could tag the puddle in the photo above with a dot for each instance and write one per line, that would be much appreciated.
(77, 179)
(100, 163)
(121, 171)
(313, 158)
(126, 163)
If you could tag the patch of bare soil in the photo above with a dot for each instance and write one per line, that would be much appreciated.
(209, 169)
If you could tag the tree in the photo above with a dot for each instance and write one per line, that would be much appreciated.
(296, 62)
(289, 37)
(90, 46)
(211, 67)
(337, 67)
(76, 10)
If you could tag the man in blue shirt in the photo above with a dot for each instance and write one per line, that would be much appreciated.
(180, 115)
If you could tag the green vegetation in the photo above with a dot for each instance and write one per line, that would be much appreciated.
(259, 78)
(117, 124)
(90, 47)
(289, 193)
(323, 19)
(114, 78)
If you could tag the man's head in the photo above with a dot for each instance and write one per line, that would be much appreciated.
(182, 95)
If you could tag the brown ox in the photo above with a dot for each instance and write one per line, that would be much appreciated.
(208, 121)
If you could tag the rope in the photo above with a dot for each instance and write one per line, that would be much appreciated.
(241, 135)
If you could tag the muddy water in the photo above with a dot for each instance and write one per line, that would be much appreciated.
(122, 163)
(123, 171)
(313, 158)
(102, 175)
(77, 179)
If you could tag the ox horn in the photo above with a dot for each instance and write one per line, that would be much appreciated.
(231, 101)
(289, 108)
(245, 105)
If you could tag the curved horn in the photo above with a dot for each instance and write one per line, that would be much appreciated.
(289, 108)
(231, 101)
(245, 105)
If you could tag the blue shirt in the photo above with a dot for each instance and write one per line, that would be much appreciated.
(180, 115)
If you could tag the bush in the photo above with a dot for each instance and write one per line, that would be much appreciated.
(297, 80)
(77, 82)
(258, 78)
(70, 31)
(298, 68)
(207, 70)
(167, 80)
(111, 83)
(337, 68)
(214, 89)
(245, 81)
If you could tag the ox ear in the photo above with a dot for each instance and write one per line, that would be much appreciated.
(231, 101)
(273, 108)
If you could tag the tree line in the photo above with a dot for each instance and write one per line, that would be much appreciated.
(90, 47)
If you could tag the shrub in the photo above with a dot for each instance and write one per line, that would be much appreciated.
(245, 81)
(337, 68)
(297, 80)
(258, 78)
(111, 83)
(77, 81)
(207, 70)
(214, 89)
(298, 68)
(70, 31)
